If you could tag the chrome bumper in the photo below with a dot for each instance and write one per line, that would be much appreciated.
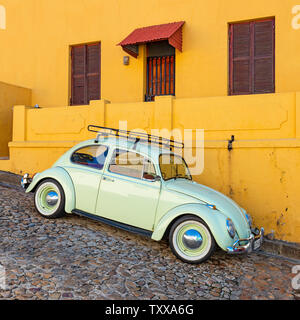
(26, 181)
(253, 243)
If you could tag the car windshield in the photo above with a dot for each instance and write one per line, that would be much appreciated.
(173, 167)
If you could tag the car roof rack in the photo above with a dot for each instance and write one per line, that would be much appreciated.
(134, 135)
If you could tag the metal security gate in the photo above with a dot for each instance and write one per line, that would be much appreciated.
(160, 76)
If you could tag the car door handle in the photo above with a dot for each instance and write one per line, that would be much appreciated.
(108, 179)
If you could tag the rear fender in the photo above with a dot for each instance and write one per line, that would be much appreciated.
(63, 178)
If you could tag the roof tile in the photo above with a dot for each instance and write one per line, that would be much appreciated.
(170, 31)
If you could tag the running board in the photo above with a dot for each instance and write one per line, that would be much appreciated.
(112, 223)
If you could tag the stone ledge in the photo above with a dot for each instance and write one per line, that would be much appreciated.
(10, 178)
(282, 248)
(276, 247)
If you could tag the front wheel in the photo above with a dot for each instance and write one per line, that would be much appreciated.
(191, 240)
(49, 199)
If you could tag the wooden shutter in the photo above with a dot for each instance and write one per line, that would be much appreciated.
(93, 71)
(86, 73)
(78, 75)
(264, 67)
(252, 57)
(240, 58)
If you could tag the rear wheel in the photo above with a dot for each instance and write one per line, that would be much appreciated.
(191, 240)
(49, 199)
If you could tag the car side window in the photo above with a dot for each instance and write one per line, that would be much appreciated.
(131, 164)
(92, 156)
(149, 170)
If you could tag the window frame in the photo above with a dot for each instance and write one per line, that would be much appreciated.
(163, 59)
(124, 175)
(252, 57)
(86, 73)
(86, 166)
(175, 155)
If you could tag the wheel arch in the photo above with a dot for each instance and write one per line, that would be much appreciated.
(168, 229)
(62, 177)
(215, 220)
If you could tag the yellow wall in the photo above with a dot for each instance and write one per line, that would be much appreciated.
(39, 33)
(262, 174)
(9, 96)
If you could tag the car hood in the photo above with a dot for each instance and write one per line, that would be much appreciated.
(224, 204)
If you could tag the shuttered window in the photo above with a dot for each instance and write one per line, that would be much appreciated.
(160, 77)
(252, 57)
(160, 70)
(86, 73)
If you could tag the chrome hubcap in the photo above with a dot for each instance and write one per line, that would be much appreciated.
(52, 198)
(192, 239)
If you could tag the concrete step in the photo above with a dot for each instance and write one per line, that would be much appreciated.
(10, 178)
(282, 248)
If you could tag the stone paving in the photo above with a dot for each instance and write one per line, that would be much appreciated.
(76, 258)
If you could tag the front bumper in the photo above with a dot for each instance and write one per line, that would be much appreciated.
(26, 181)
(253, 243)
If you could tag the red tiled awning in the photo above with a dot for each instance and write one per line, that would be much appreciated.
(170, 31)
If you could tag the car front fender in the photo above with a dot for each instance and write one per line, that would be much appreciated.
(215, 220)
(63, 178)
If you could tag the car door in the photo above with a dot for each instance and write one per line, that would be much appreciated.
(86, 171)
(128, 192)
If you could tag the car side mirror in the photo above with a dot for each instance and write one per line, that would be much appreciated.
(157, 178)
(152, 177)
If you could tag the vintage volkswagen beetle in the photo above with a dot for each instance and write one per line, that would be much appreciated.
(123, 179)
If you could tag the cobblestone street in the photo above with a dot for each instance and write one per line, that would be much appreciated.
(76, 258)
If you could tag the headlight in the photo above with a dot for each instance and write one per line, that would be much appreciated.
(230, 228)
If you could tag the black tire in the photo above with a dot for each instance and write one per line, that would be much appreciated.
(191, 240)
(49, 199)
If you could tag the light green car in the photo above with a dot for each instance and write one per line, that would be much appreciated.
(139, 184)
